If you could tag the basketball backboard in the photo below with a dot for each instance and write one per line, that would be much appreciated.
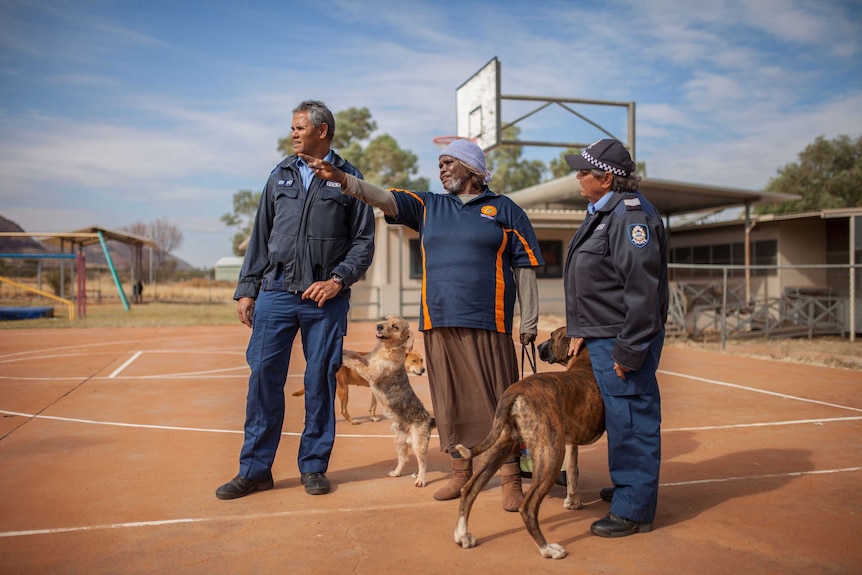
(478, 106)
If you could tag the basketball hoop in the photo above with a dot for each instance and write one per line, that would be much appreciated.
(443, 141)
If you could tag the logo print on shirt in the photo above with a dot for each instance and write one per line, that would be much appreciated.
(489, 212)
(285, 182)
(639, 235)
(332, 184)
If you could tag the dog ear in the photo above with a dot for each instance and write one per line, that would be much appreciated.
(409, 343)
(561, 343)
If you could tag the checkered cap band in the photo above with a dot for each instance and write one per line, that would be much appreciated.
(602, 165)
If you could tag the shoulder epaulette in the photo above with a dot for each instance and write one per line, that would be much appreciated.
(632, 203)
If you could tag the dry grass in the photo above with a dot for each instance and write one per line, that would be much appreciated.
(828, 351)
(213, 305)
(140, 315)
(195, 302)
(195, 290)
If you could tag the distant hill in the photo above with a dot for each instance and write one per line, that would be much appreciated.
(22, 245)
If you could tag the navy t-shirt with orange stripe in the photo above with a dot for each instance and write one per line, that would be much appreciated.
(468, 252)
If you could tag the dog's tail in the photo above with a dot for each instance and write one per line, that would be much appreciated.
(502, 430)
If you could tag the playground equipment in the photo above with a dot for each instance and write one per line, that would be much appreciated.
(78, 240)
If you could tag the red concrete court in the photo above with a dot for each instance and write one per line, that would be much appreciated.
(113, 441)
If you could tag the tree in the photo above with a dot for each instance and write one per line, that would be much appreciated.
(244, 209)
(827, 175)
(166, 236)
(559, 167)
(511, 172)
(381, 160)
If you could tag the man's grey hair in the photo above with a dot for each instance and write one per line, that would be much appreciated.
(318, 114)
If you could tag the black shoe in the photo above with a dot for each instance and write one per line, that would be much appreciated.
(561, 479)
(239, 486)
(607, 494)
(315, 483)
(615, 526)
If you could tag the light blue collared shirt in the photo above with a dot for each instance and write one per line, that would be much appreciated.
(306, 172)
(593, 208)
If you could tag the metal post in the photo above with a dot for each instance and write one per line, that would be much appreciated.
(724, 310)
(114, 273)
(853, 278)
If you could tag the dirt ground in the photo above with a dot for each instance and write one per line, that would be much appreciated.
(830, 351)
(113, 441)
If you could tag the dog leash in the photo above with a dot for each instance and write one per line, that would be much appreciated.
(532, 359)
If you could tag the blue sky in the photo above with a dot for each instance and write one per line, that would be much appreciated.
(115, 112)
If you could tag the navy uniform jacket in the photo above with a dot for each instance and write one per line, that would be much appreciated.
(303, 236)
(616, 277)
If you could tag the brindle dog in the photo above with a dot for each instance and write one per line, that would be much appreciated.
(383, 368)
(552, 413)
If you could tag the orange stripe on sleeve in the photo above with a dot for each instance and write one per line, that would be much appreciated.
(534, 261)
(400, 191)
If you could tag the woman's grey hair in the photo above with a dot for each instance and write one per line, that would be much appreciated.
(477, 177)
(626, 183)
(318, 114)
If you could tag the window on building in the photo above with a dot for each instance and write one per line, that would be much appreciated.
(764, 252)
(415, 260)
(552, 252)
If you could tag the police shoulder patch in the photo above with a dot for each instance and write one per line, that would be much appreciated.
(638, 235)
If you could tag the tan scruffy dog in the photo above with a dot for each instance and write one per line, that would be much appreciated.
(383, 368)
(345, 377)
(552, 413)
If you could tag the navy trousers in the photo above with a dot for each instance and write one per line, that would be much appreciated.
(278, 316)
(633, 423)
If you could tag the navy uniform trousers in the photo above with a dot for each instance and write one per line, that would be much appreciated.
(278, 315)
(633, 424)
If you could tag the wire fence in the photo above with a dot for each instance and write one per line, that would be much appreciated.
(765, 301)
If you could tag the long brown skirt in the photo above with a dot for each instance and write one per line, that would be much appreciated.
(468, 370)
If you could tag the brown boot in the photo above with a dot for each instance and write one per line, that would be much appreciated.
(510, 485)
(462, 471)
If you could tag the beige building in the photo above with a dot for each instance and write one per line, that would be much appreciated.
(798, 249)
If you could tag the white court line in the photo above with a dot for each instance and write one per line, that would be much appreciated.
(768, 424)
(367, 508)
(755, 390)
(767, 476)
(53, 356)
(63, 347)
(128, 362)
(389, 435)
(175, 428)
(253, 517)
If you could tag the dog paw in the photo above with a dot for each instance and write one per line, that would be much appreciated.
(420, 481)
(572, 503)
(375, 419)
(466, 540)
(394, 474)
(553, 551)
